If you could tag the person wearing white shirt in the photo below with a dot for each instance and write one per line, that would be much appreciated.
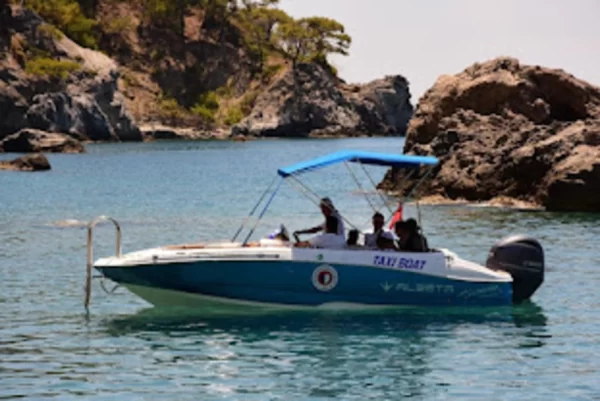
(330, 239)
(379, 233)
(328, 210)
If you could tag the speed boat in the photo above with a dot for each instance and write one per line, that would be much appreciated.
(274, 273)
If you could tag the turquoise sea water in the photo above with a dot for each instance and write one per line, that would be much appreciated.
(174, 192)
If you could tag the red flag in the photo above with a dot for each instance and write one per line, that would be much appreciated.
(397, 216)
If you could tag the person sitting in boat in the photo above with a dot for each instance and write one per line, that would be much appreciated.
(328, 210)
(410, 238)
(380, 238)
(329, 239)
(352, 241)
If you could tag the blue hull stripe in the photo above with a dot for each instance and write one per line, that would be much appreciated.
(295, 283)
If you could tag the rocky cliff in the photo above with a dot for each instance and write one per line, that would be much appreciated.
(48, 82)
(503, 129)
(310, 101)
(199, 78)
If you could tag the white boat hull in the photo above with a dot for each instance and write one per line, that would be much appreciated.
(286, 277)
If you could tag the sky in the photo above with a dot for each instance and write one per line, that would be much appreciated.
(423, 39)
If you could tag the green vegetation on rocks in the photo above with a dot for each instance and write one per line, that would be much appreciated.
(207, 106)
(67, 16)
(51, 68)
(234, 115)
(198, 62)
(264, 28)
(314, 38)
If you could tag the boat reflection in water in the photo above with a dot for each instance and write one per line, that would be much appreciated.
(407, 351)
(365, 321)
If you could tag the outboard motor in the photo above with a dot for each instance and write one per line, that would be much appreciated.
(523, 258)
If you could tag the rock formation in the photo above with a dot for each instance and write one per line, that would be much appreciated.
(309, 101)
(32, 140)
(200, 80)
(502, 129)
(30, 162)
(84, 103)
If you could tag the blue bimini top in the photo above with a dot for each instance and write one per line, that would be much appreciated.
(379, 159)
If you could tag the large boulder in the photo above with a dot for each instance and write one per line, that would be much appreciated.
(76, 115)
(13, 107)
(32, 140)
(383, 104)
(309, 101)
(503, 129)
(574, 183)
(30, 162)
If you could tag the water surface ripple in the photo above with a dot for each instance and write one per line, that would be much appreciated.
(174, 192)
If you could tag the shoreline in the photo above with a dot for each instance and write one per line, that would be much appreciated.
(153, 132)
(500, 202)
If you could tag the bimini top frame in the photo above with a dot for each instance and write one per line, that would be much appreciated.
(410, 162)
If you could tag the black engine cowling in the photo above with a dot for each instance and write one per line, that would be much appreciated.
(523, 258)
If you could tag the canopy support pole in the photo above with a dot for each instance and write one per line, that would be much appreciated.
(307, 189)
(414, 189)
(402, 198)
(253, 210)
(408, 176)
(318, 197)
(360, 186)
(262, 213)
(375, 187)
(304, 190)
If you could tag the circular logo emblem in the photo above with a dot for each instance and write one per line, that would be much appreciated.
(325, 278)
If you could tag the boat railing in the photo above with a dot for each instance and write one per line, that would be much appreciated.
(90, 251)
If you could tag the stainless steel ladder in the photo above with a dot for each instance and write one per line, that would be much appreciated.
(90, 252)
